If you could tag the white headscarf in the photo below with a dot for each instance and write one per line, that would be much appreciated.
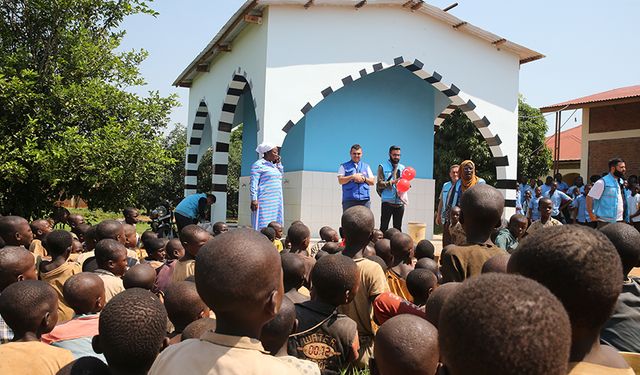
(265, 147)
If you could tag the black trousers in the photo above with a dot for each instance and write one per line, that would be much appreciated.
(182, 221)
(388, 210)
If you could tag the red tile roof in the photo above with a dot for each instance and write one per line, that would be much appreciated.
(570, 143)
(615, 94)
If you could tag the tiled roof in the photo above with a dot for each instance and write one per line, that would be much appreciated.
(570, 143)
(615, 94)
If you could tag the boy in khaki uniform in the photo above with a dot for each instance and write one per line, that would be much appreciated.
(40, 229)
(192, 237)
(56, 271)
(111, 257)
(238, 275)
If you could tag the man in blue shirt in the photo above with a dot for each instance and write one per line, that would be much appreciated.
(355, 177)
(534, 213)
(192, 208)
(547, 185)
(560, 200)
(579, 205)
(562, 186)
(578, 182)
(444, 194)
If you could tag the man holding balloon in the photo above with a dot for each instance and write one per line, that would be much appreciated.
(392, 186)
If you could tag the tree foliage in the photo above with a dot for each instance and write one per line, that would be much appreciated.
(458, 139)
(68, 125)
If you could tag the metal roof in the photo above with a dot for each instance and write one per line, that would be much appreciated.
(251, 10)
(622, 94)
(570, 144)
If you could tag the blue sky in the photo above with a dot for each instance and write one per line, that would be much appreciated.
(591, 45)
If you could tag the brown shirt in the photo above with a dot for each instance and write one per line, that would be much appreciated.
(182, 270)
(112, 283)
(214, 354)
(37, 249)
(32, 357)
(56, 279)
(398, 285)
(462, 262)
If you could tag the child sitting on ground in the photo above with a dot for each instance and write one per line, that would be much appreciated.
(299, 237)
(15, 231)
(357, 224)
(76, 251)
(336, 280)
(56, 271)
(219, 228)
(197, 328)
(424, 249)
(508, 237)
(545, 206)
(238, 275)
(111, 259)
(504, 324)
(406, 344)
(30, 309)
(16, 264)
(327, 235)
(582, 268)
(389, 233)
(293, 277)
(84, 293)
(269, 233)
(184, 306)
(132, 331)
(622, 330)
(131, 242)
(140, 276)
(402, 251)
(174, 251)
(496, 264)
(40, 229)
(275, 334)
(157, 252)
(193, 238)
(277, 227)
(481, 207)
(436, 301)
(456, 231)
(383, 250)
(421, 283)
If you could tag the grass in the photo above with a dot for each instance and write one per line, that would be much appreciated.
(95, 216)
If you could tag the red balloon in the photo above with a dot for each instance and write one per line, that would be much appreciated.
(403, 185)
(409, 173)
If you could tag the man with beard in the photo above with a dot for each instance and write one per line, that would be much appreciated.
(389, 173)
(606, 202)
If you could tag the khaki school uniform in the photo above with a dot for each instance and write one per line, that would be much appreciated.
(372, 283)
(56, 278)
(182, 270)
(398, 285)
(32, 357)
(214, 354)
(37, 249)
(461, 262)
(586, 368)
(537, 225)
(112, 283)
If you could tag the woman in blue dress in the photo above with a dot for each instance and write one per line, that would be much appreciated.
(266, 188)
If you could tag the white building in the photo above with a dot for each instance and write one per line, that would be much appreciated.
(316, 76)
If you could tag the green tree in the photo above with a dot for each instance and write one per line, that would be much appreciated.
(233, 179)
(67, 123)
(457, 139)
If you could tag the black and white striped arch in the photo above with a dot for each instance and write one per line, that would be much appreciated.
(458, 101)
(236, 88)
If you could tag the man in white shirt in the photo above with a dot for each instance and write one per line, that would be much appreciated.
(606, 200)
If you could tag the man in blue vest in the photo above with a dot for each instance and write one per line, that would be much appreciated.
(355, 176)
(389, 173)
(606, 201)
(192, 208)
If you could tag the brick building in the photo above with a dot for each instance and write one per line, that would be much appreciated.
(610, 128)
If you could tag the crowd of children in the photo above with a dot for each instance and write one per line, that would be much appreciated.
(505, 298)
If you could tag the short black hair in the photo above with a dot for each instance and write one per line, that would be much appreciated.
(424, 249)
(383, 250)
(189, 233)
(430, 265)
(494, 324)
(626, 240)
(146, 236)
(400, 243)
(420, 282)
(85, 366)
(81, 290)
(357, 224)
(128, 211)
(437, 299)
(497, 263)
(297, 234)
(594, 178)
(9, 227)
(482, 207)
(406, 344)
(355, 147)
(132, 328)
(217, 227)
(154, 245)
(108, 229)
(325, 233)
(333, 275)
(183, 304)
(293, 271)
(276, 332)
(614, 162)
(332, 248)
(389, 233)
(14, 260)
(269, 232)
(107, 250)
(394, 148)
(196, 328)
(579, 265)
(58, 242)
(275, 224)
(141, 275)
(237, 270)
(24, 304)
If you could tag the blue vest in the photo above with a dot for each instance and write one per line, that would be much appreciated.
(390, 195)
(606, 208)
(189, 206)
(352, 191)
(446, 187)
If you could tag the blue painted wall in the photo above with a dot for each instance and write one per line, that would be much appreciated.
(392, 106)
(249, 132)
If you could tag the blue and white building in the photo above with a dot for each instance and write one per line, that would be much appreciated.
(316, 76)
